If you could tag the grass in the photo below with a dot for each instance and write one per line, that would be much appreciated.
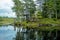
(41, 21)
(4, 21)
(49, 21)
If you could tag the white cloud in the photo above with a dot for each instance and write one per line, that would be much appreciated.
(8, 14)
(34, 0)
(7, 5)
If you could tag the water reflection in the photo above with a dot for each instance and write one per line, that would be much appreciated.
(32, 34)
(19, 33)
(7, 32)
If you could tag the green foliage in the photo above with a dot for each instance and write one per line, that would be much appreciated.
(48, 15)
(18, 9)
(39, 14)
(51, 8)
(6, 21)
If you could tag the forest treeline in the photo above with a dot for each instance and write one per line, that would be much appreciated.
(36, 9)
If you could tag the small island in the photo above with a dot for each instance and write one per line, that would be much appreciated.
(45, 15)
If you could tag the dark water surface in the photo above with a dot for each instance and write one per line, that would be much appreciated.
(19, 33)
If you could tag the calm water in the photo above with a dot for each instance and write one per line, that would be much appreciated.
(7, 32)
(19, 33)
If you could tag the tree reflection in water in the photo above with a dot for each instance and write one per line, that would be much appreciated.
(33, 34)
(19, 36)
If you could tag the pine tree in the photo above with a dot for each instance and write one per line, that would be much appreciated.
(18, 9)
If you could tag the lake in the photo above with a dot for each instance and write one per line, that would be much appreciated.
(8, 32)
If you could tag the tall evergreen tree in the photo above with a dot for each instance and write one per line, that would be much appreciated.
(57, 8)
(48, 8)
(24, 5)
(18, 9)
(30, 7)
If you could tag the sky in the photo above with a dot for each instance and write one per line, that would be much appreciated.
(6, 8)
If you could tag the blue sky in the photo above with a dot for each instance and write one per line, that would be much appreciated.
(5, 8)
